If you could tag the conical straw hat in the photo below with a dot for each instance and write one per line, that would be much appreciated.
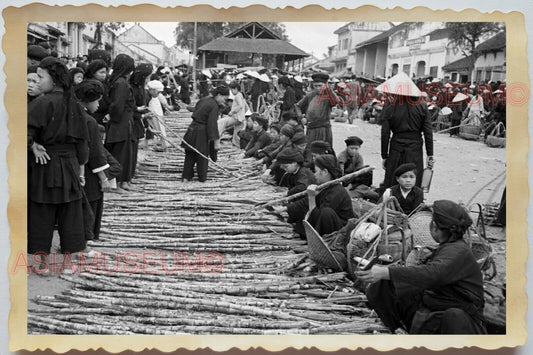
(400, 84)
(459, 97)
(445, 111)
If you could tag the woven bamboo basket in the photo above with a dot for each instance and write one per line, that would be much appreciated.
(319, 252)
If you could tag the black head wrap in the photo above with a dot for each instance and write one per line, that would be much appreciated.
(285, 81)
(260, 119)
(320, 77)
(122, 66)
(328, 162)
(82, 65)
(320, 147)
(290, 155)
(57, 70)
(140, 73)
(76, 127)
(94, 66)
(220, 90)
(32, 69)
(290, 116)
(450, 216)
(405, 168)
(74, 71)
(99, 54)
(37, 52)
(353, 140)
(89, 90)
(299, 138)
(287, 130)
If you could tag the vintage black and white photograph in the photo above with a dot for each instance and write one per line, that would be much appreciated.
(266, 178)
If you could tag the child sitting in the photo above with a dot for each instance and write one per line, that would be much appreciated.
(156, 121)
(260, 139)
(408, 195)
(350, 160)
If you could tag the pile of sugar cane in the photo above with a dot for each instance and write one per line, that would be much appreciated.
(192, 258)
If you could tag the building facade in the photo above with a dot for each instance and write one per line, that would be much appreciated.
(348, 36)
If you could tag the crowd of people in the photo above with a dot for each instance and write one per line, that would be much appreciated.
(87, 119)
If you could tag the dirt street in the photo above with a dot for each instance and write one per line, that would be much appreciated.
(462, 168)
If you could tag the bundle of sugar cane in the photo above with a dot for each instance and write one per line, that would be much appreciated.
(176, 303)
(63, 327)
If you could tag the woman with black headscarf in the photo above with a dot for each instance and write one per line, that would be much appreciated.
(138, 81)
(443, 294)
(329, 209)
(97, 69)
(119, 130)
(288, 100)
(57, 137)
(89, 92)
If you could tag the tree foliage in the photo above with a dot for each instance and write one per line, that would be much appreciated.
(467, 35)
(100, 26)
(207, 31)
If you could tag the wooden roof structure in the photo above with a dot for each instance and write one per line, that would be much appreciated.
(254, 37)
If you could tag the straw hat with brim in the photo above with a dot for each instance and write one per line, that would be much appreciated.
(298, 78)
(445, 111)
(318, 249)
(459, 97)
(400, 84)
(498, 91)
(231, 96)
(207, 73)
(264, 78)
(448, 85)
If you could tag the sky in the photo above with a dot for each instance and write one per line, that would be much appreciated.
(311, 37)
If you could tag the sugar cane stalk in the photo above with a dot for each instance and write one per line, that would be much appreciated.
(319, 188)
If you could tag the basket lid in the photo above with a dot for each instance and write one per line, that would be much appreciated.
(318, 249)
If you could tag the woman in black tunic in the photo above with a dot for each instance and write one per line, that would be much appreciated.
(97, 69)
(329, 209)
(289, 98)
(57, 137)
(119, 133)
(89, 92)
(407, 118)
(442, 295)
(202, 134)
(138, 81)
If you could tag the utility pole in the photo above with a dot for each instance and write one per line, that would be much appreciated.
(194, 60)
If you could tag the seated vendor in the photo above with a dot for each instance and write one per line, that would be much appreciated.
(296, 177)
(329, 209)
(315, 149)
(351, 160)
(408, 195)
(260, 139)
(442, 295)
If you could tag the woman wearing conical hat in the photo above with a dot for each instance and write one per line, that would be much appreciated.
(406, 116)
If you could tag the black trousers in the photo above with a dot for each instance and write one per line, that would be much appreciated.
(123, 153)
(98, 209)
(42, 218)
(412, 314)
(394, 312)
(192, 159)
